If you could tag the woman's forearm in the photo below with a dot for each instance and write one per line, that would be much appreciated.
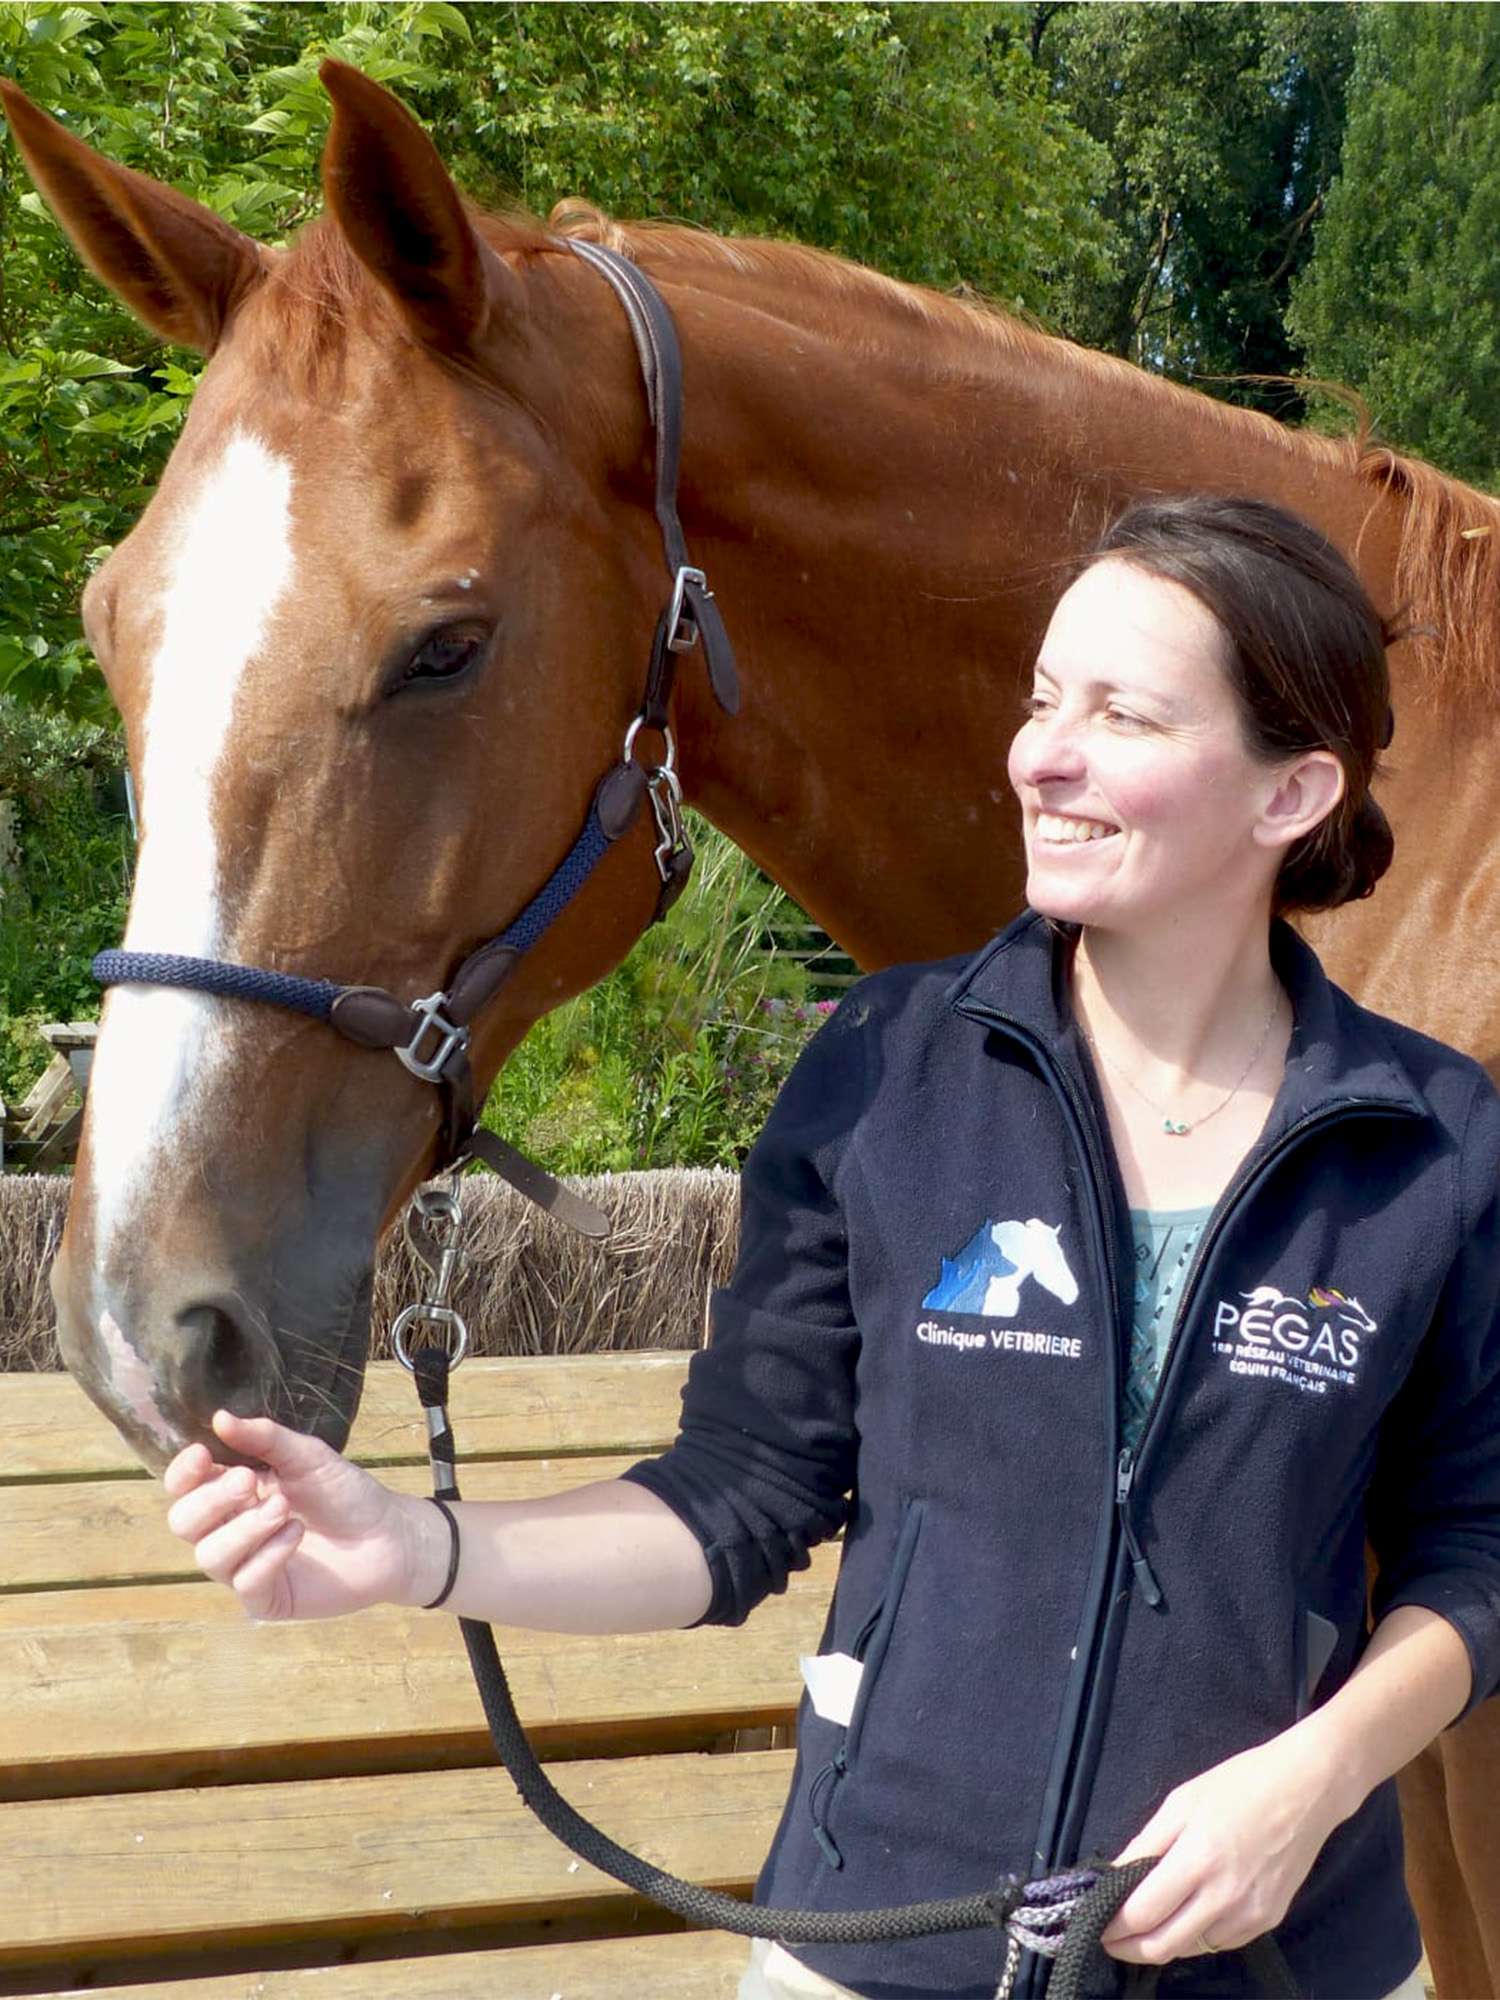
(610, 1557)
(1414, 1679)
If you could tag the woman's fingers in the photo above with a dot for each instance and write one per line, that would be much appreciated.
(216, 1501)
(260, 1582)
(192, 1465)
(291, 1453)
(223, 1552)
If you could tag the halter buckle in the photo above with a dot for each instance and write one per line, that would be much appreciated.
(449, 1038)
(682, 626)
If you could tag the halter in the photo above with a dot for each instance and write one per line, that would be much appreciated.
(431, 1037)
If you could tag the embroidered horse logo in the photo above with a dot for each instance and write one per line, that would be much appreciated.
(986, 1276)
(1347, 1309)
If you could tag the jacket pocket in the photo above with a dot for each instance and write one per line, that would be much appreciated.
(1316, 1641)
(870, 1646)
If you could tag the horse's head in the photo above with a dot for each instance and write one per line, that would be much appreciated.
(375, 639)
(1048, 1261)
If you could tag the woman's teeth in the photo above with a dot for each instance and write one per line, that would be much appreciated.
(1055, 826)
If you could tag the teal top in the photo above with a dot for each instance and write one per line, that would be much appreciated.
(1164, 1239)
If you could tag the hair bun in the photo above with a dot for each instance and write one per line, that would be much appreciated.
(1340, 862)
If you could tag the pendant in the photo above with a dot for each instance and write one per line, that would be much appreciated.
(1177, 1130)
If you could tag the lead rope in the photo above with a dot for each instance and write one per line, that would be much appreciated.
(1061, 1917)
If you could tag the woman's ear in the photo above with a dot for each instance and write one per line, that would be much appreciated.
(1305, 793)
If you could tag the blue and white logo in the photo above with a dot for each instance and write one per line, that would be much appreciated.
(986, 1276)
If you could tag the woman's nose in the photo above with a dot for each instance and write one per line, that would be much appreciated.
(1047, 746)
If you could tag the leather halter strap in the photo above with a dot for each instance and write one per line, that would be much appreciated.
(431, 1037)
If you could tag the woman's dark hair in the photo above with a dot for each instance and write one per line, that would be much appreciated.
(1304, 654)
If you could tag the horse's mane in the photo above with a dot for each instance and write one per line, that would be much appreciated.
(1447, 579)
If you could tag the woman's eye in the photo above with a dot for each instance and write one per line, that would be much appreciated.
(1034, 704)
(1123, 719)
(443, 657)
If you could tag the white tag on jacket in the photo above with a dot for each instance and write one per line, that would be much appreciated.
(833, 1682)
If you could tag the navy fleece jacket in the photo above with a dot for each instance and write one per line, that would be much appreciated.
(923, 1343)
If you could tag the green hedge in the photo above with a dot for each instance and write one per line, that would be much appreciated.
(64, 897)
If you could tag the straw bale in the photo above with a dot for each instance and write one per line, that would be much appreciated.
(528, 1286)
(32, 1208)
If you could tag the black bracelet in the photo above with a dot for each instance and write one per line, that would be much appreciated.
(448, 1515)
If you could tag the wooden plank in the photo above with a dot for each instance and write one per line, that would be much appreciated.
(523, 1406)
(105, 1878)
(180, 1688)
(691, 1965)
(59, 1147)
(45, 1100)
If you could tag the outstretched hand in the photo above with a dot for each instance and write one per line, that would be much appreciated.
(307, 1534)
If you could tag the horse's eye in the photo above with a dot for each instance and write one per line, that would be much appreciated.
(444, 656)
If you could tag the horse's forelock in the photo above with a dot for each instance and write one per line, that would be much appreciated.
(318, 293)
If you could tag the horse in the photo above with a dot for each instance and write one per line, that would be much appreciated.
(381, 626)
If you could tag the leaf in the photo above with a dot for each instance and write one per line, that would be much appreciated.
(437, 17)
(81, 366)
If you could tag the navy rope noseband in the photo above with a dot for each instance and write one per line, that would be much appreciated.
(431, 1036)
(213, 975)
(317, 996)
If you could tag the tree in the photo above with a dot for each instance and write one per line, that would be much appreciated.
(1224, 125)
(1399, 299)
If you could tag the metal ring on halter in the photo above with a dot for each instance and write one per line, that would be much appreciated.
(443, 1316)
(669, 769)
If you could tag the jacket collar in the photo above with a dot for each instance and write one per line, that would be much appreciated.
(1339, 1053)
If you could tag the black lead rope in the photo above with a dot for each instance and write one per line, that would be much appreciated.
(1026, 1912)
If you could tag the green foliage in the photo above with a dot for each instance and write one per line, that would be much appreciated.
(676, 1057)
(1398, 301)
(913, 137)
(1223, 124)
(65, 900)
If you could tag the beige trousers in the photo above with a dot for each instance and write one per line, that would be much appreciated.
(773, 1974)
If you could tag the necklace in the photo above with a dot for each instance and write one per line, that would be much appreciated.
(1180, 1128)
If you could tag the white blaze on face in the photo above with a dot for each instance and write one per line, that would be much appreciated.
(230, 563)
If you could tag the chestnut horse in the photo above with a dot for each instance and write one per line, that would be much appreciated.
(384, 624)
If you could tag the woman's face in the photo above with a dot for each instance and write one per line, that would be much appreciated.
(1139, 797)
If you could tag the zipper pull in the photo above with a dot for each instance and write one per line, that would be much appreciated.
(1150, 1589)
(831, 1772)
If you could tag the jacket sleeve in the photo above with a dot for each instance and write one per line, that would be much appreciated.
(1434, 1510)
(765, 1454)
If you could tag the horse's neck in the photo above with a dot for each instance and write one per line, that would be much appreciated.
(886, 515)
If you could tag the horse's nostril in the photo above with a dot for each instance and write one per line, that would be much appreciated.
(218, 1363)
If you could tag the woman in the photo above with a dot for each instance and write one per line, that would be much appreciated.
(1123, 1275)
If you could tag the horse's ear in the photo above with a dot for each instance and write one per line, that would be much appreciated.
(178, 266)
(400, 213)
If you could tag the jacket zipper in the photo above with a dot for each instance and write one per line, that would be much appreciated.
(1077, 1700)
